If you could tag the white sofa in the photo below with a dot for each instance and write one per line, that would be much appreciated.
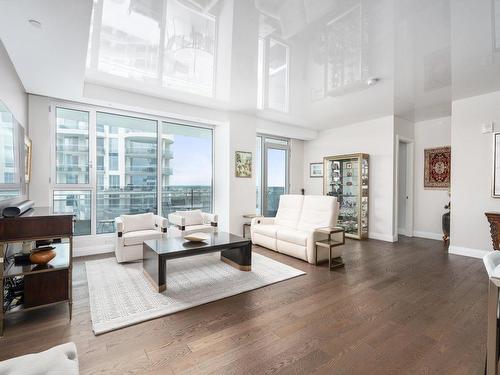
(133, 230)
(293, 230)
(187, 222)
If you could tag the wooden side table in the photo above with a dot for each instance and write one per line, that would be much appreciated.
(330, 243)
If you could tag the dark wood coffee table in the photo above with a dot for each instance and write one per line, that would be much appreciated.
(234, 250)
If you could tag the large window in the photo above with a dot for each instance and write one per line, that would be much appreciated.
(272, 88)
(186, 168)
(9, 141)
(273, 173)
(132, 152)
(168, 43)
(72, 146)
(136, 158)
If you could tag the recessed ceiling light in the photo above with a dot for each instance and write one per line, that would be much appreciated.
(35, 23)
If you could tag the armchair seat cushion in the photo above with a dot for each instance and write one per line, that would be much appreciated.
(138, 237)
(294, 236)
(267, 230)
(193, 217)
(133, 223)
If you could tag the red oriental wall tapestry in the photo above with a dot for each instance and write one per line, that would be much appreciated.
(437, 168)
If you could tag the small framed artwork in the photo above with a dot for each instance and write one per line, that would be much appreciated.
(243, 164)
(316, 170)
(27, 159)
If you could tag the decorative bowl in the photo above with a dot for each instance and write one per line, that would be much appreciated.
(197, 237)
(42, 257)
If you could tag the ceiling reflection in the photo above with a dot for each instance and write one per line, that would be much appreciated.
(316, 63)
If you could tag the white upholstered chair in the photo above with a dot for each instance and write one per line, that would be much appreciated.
(186, 222)
(293, 230)
(133, 230)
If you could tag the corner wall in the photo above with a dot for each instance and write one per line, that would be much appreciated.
(429, 204)
(380, 146)
(471, 174)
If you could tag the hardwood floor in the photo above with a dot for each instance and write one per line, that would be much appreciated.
(402, 308)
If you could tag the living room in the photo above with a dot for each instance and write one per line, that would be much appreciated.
(250, 186)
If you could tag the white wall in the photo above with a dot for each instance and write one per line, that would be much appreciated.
(471, 173)
(428, 204)
(12, 92)
(296, 166)
(376, 138)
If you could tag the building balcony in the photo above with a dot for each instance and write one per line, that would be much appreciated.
(80, 149)
(140, 170)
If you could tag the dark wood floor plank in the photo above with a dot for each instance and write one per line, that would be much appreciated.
(395, 308)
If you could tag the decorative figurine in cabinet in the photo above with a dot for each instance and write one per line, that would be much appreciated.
(346, 177)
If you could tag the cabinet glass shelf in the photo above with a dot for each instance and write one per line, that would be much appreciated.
(346, 177)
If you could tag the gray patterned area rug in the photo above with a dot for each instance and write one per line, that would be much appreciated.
(120, 295)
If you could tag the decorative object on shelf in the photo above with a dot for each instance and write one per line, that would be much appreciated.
(27, 159)
(346, 177)
(243, 164)
(197, 237)
(494, 220)
(495, 190)
(437, 168)
(42, 256)
(316, 170)
(18, 209)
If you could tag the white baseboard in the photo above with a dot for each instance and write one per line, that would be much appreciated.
(92, 245)
(382, 237)
(466, 251)
(92, 250)
(429, 235)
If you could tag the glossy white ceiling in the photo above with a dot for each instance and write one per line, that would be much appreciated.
(424, 53)
(49, 59)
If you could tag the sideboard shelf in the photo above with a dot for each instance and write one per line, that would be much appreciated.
(36, 286)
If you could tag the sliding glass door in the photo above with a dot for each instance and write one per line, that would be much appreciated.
(186, 168)
(109, 164)
(273, 157)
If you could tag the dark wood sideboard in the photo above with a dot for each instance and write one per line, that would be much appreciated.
(42, 285)
(494, 220)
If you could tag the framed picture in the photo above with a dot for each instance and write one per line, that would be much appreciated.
(243, 164)
(316, 170)
(437, 168)
(27, 159)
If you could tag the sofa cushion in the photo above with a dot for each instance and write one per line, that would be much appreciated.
(133, 223)
(139, 236)
(193, 217)
(289, 210)
(292, 249)
(61, 359)
(266, 230)
(292, 235)
(318, 211)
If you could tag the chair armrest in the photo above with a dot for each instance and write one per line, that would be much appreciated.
(161, 223)
(210, 219)
(177, 220)
(120, 227)
(263, 220)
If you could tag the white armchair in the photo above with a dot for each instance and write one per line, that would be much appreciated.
(187, 222)
(133, 230)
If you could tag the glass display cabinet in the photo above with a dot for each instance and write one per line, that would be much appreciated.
(346, 177)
